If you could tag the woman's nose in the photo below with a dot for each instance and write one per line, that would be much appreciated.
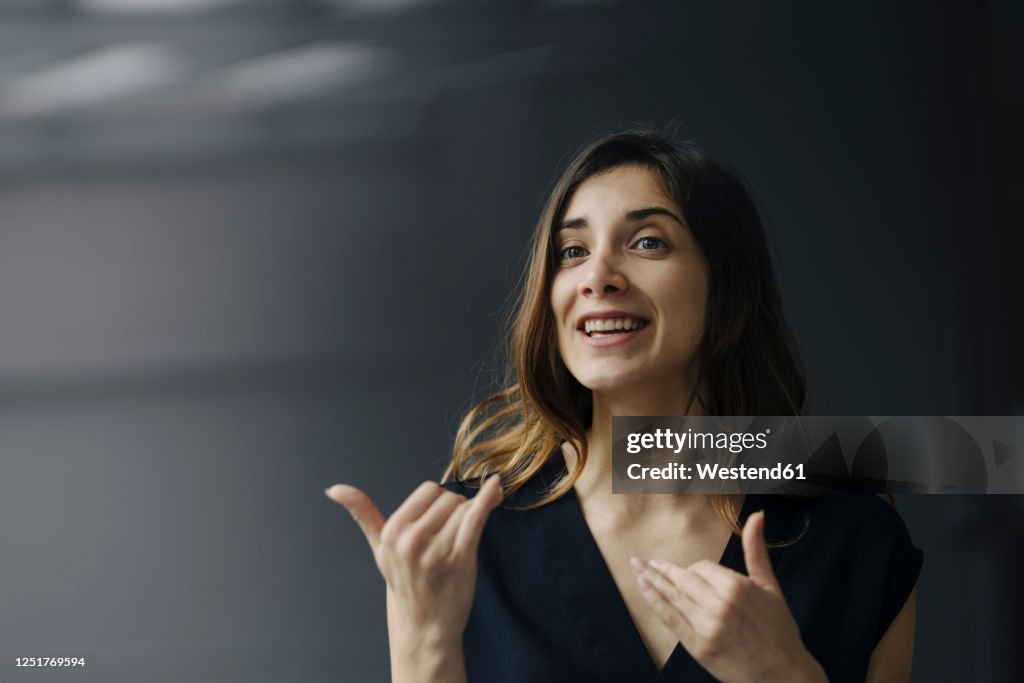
(603, 277)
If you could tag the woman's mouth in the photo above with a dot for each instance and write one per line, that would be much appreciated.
(599, 328)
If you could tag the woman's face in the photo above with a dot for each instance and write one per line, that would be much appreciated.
(630, 285)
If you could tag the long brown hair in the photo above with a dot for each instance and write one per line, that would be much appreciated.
(747, 359)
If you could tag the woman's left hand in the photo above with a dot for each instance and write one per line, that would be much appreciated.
(737, 627)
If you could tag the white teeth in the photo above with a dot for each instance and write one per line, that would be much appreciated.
(611, 324)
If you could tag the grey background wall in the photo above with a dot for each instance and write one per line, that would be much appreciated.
(212, 306)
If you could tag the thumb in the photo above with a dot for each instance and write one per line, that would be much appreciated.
(755, 553)
(362, 509)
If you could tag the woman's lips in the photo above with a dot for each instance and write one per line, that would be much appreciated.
(616, 339)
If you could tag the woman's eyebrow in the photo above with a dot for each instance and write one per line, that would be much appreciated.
(572, 224)
(641, 214)
(631, 217)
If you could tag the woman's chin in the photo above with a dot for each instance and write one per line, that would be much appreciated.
(644, 389)
(615, 384)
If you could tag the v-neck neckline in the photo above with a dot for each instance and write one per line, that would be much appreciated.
(599, 592)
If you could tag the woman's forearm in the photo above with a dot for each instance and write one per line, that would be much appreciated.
(421, 656)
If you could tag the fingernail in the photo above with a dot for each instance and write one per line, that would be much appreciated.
(327, 491)
(644, 583)
(637, 564)
(659, 564)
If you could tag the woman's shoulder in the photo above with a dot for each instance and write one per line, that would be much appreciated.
(467, 488)
(520, 498)
(850, 554)
(846, 535)
(527, 493)
(846, 514)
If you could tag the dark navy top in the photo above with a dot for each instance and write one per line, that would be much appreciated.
(548, 611)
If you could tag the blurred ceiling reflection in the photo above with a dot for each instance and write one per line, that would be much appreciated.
(121, 81)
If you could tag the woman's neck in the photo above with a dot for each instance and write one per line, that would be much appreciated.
(594, 487)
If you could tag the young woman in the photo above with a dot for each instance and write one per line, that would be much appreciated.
(649, 291)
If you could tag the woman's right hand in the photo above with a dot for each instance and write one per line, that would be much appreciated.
(427, 553)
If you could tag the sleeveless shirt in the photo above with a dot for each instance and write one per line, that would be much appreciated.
(547, 610)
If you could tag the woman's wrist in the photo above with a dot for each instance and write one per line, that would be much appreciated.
(793, 667)
(809, 671)
(428, 666)
(424, 658)
(423, 652)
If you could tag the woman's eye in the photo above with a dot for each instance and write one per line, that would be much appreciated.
(571, 253)
(649, 243)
